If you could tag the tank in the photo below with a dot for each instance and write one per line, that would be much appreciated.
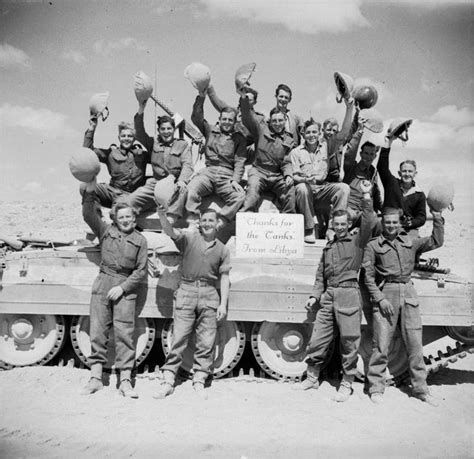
(45, 292)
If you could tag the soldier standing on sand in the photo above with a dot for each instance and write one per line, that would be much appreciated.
(198, 307)
(337, 291)
(122, 268)
(389, 261)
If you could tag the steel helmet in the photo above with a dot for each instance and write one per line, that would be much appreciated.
(199, 75)
(243, 74)
(365, 96)
(84, 164)
(440, 196)
(165, 190)
(399, 128)
(143, 86)
(344, 84)
(98, 105)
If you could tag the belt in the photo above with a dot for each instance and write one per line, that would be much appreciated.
(344, 284)
(112, 271)
(402, 280)
(199, 282)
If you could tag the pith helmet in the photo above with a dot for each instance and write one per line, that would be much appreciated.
(199, 75)
(84, 164)
(98, 105)
(344, 84)
(399, 128)
(440, 196)
(243, 74)
(164, 191)
(143, 86)
(365, 96)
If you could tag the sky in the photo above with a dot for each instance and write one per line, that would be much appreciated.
(55, 54)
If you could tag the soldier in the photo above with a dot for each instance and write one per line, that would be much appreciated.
(225, 154)
(402, 193)
(126, 164)
(198, 307)
(169, 156)
(271, 169)
(389, 261)
(310, 170)
(293, 122)
(337, 291)
(123, 267)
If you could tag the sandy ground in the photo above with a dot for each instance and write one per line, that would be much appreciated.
(43, 416)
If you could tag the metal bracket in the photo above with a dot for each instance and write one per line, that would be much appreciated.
(441, 281)
(24, 266)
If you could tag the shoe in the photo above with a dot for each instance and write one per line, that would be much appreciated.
(126, 389)
(309, 237)
(199, 389)
(427, 398)
(376, 398)
(344, 392)
(93, 385)
(164, 390)
(307, 384)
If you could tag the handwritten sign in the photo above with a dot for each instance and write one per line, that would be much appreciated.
(269, 235)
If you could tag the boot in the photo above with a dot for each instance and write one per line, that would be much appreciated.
(426, 397)
(309, 237)
(344, 392)
(311, 381)
(164, 390)
(92, 386)
(198, 387)
(126, 389)
(376, 398)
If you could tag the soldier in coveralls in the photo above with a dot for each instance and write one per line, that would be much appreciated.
(337, 291)
(206, 263)
(123, 266)
(389, 261)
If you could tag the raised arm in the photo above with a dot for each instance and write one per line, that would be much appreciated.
(248, 118)
(139, 273)
(351, 149)
(216, 102)
(166, 225)
(368, 217)
(197, 116)
(436, 240)
(343, 134)
(140, 133)
(383, 167)
(102, 153)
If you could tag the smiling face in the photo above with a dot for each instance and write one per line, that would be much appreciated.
(283, 98)
(277, 122)
(126, 138)
(208, 224)
(368, 155)
(311, 135)
(330, 130)
(166, 132)
(407, 173)
(340, 225)
(391, 225)
(125, 220)
(227, 122)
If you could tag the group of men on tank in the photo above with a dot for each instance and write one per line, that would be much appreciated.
(308, 168)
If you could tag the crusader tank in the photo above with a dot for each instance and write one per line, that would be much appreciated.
(45, 291)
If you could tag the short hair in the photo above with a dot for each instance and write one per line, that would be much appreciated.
(275, 111)
(408, 161)
(391, 211)
(123, 125)
(229, 110)
(119, 206)
(165, 119)
(329, 121)
(254, 92)
(369, 145)
(209, 210)
(283, 87)
(311, 122)
(340, 213)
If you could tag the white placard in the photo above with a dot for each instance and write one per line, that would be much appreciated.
(269, 235)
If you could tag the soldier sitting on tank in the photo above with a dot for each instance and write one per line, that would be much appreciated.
(169, 156)
(123, 267)
(336, 290)
(310, 169)
(402, 193)
(126, 164)
(271, 169)
(388, 262)
(225, 155)
(293, 122)
(199, 305)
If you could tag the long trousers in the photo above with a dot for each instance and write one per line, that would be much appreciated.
(341, 308)
(195, 309)
(406, 313)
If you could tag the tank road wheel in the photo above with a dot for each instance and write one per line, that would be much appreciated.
(280, 348)
(397, 358)
(81, 342)
(30, 339)
(463, 334)
(230, 344)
